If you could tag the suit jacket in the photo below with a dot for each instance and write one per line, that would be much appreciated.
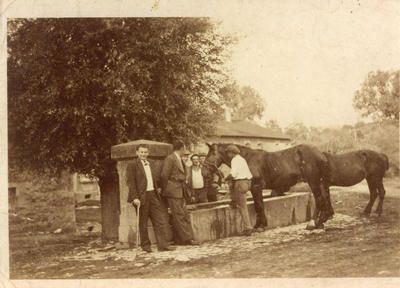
(173, 177)
(136, 179)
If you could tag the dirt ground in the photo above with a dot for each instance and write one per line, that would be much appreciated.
(350, 246)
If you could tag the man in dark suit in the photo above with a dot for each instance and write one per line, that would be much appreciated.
(173, 176)
(144, 191)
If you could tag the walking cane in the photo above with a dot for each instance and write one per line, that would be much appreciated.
(137, 232)
(137, 228)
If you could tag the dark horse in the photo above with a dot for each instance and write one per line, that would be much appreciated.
(350, 168)
(279, 171)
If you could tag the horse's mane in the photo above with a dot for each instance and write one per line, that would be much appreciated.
(243, 149)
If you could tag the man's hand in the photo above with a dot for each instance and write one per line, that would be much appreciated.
(228, 178)
(158, 190)
(136, 202)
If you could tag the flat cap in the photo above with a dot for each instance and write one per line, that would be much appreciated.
(232, 148)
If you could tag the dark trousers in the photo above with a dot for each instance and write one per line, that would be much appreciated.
(152, 208)
(180, 220)
(212, 193)
(200, 195)
(256, 192)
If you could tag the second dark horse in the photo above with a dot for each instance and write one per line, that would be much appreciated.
(350, 168)
(279, 171)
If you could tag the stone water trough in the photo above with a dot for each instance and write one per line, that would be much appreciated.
(217, 220)
(213, 220)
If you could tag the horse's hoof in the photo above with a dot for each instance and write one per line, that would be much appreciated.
(366, 214)
(320, 226)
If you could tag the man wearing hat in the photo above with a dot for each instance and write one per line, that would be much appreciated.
(173, 177)
(241, 177)
(196, 181)
(212, 182)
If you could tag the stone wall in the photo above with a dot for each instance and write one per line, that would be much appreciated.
(42, 203)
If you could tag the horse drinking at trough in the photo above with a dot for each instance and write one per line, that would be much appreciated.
(350, 168)
(278, 171)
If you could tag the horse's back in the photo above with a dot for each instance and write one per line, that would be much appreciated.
(346, 169)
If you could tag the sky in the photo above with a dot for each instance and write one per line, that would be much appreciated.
(307, 58)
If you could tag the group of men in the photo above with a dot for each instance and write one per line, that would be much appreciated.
(178, 186)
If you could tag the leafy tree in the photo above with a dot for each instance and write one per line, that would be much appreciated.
(243, 101)
(76, 87)
(298, 132)
(379, 95)
(273, 125)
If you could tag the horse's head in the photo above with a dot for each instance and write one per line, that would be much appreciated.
(215, 157)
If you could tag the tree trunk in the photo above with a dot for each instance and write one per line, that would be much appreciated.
(109, 195)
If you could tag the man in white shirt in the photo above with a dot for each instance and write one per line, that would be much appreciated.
(241, 177)
(196, 181)
(144, 191)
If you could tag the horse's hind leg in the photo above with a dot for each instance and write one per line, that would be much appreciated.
(382, 193)
(331, 212)
(319, 208)
(372, 196)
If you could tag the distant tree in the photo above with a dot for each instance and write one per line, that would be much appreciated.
(76, 87)
(273, 125)
(298, 132)
(379, 95)
(243, 101)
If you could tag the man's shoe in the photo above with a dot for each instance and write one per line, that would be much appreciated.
(147, 249)
(259, 229)
(192, 242)
(166, 249)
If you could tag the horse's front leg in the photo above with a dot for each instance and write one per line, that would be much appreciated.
(256, 192)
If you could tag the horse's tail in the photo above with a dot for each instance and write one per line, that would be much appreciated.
(301, 165)
(386, 158)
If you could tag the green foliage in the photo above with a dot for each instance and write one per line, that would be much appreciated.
(379, 95)
(244, 102)
(78, 86)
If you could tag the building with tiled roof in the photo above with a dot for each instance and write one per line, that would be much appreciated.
(250, 134)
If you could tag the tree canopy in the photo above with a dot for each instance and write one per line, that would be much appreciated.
(244, 101)
(78, 86)
(379, 95)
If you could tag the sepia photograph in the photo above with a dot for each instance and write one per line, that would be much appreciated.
(234, 140)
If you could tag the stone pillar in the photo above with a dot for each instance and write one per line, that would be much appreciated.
(123, 154)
